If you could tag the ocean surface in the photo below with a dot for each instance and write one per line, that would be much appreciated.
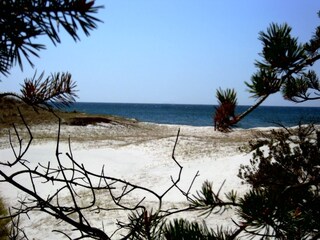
(201, 115)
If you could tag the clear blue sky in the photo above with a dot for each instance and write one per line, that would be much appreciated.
(170, 51)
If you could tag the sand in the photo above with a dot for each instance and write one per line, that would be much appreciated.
(139, 153)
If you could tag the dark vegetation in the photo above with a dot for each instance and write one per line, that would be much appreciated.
(9, 115)
(285, 177)
(283, 202)
(23, 21)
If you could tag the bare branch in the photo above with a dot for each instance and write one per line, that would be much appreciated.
(71, 180)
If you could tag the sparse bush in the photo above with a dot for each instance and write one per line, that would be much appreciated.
(285, 178)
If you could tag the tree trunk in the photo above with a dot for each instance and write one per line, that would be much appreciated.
(250, 109)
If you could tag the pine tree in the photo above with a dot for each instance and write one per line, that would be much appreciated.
(285, 67)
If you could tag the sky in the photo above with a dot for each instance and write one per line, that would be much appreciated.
(170, 51)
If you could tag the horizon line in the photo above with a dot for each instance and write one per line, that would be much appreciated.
(194, 104)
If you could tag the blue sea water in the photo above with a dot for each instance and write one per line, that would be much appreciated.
(201, 115)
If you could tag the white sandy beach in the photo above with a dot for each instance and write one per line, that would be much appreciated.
(139, 153)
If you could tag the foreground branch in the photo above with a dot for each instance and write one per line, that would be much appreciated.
(70, 178)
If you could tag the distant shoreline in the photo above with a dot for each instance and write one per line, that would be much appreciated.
(200, 115)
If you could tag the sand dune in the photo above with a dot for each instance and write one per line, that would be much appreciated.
(139, 153)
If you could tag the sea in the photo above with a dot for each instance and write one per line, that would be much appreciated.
(201, 115)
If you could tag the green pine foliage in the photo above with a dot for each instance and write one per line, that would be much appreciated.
(284, 199)
(280, 50)
(225, 112)
(285, 67)
(181, 229)
(285, 177)
(21, 22)
(228, 95)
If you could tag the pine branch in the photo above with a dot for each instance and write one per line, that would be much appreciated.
(23, 21)
(57, 90)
